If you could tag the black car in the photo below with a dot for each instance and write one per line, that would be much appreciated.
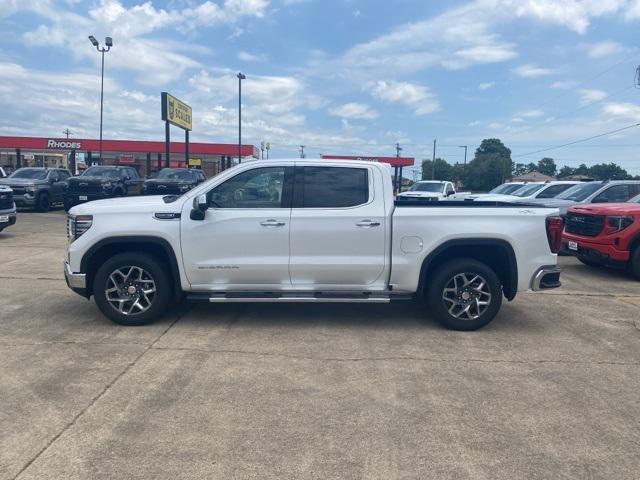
(37, 187)
(101, 182)
(172, 181)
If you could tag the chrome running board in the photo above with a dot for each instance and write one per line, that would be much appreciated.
(294, 297)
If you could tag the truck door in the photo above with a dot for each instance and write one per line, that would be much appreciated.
(243, 241)
(337, 228)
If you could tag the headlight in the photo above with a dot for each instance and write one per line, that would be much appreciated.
(77, 225)
(184, 188)
(106, 185)
(618, 223)
(31, 189)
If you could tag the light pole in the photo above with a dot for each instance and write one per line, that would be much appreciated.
(262, 150)
(267, 147)
(108, 41)
(241, 76)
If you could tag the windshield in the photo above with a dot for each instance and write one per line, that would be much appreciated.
(506, 188)
(635, 199)
(104, 172)
(30, 173)
(528, 190)
(427, 187)
(578, 193)
(176, 174)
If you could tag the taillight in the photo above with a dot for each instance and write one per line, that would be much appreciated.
(554, 233)
(618, 223)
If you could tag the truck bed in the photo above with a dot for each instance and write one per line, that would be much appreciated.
(418, 202)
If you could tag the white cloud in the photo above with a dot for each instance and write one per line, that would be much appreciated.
(417, 97)
(589, 95)
(564, 84)
(530, 113)
(532, 71)
(629, 111)
(603, 49)
(354, 110)
(486, 85)
(251, 57)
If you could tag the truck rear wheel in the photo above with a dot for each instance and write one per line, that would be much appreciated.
(587, 262)
(464, 294)
(132, 288)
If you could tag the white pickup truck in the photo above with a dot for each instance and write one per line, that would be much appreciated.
(433, 190)
(308, 231)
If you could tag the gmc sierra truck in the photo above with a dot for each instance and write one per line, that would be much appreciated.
(308, 231)
(7, 208)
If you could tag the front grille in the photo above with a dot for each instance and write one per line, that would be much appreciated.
(6, 200)
(584, 224)
(85, 187)
(19, 190)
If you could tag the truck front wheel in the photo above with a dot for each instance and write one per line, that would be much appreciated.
(634, 263)
(132, 288)
(464, 294)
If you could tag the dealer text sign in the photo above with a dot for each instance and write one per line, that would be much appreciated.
(176, 112)
(63, 144)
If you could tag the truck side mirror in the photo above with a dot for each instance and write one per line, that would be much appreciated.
(200, 206)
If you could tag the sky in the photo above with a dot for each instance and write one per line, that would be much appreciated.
(343, 77)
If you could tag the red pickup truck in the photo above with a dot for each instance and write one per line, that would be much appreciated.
(605, 234)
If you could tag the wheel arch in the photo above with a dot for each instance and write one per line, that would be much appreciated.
(634, 243)
(108, 247)
(494, 252)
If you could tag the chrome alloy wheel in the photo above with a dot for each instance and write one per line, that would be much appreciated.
(130, 290)
(466, 296)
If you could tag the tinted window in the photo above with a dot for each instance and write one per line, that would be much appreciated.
(53, 176)
(132, 172)
(30, 173)
(333, 187)
(257, 188)
(450, 190)
(427, 187)
(579, 192)
(617, 193)
(104, 172)
(63, 174)
(506, 188)
(553, 190)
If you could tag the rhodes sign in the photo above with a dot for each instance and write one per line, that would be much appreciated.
(63, 144)
(176, 112)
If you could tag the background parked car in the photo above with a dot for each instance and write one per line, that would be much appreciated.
(3, 174)
(504, 189)
(7, 207)
(433, 189)
(38, 187)
(173, 181)
(614, 191)
(532, 191)
(605, 234)
(100, 182)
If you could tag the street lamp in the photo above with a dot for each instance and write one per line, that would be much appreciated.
(108, 41)
(241, 76)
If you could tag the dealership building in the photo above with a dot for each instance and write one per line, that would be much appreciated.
(147, 156)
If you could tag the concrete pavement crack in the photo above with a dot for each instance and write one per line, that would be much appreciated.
(95, 399)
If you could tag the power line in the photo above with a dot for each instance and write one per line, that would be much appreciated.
(578, 141)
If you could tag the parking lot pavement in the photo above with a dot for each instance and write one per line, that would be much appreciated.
(547, 390)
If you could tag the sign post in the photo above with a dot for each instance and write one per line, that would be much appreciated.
(179, 114)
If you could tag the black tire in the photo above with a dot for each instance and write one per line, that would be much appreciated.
(587, 262)
(43, 203)
(154, 270)
(634, 263)
(467, 297)
(68, 206)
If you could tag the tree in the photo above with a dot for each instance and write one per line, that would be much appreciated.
(608, 171)
(443, 170)
(490, 166)
(566, 172)
(547, 166)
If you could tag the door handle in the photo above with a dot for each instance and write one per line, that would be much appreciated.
(272, 223)
(367, 224)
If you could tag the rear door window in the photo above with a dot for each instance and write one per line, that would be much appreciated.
(331, 187)
(553, 190)
(616, 193)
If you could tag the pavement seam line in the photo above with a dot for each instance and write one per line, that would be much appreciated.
(98, 396)
(395, 358)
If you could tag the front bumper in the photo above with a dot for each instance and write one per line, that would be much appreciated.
(546, 277)
(78, 198)
(604, 252)
(11, 214)
(24, 200)
(75, 281)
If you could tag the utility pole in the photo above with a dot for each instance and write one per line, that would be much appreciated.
(397, 181)
(67, 132)
(241, 76)
(433, 162)
(302, 151)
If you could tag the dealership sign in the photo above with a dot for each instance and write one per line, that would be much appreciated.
(176, 112)
(63, 144)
